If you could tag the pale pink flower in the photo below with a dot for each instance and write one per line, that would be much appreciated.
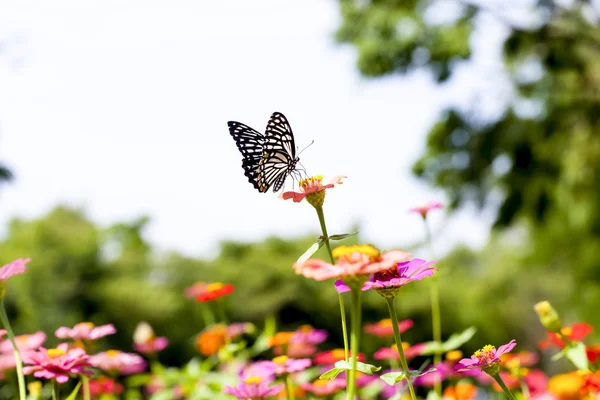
(351, 261)
(118, 361)
(24, 342)
(58, 363)
(425, 208)
(85, 331)
(311, 185)
(391, 353)
(14, 268)
(384, 328)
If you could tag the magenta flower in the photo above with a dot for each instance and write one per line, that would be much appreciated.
(351, 261)
(24, 342)
(145, 341)
(425, 208)
(253, 388)
(85, 331)
(391, 353)
(387, 283)
(487, 359)
(58, 363)
(118, 361)
(14, 268)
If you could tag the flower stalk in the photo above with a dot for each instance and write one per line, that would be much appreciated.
(289, 387)
(354, 338)
(18, 362)
(506, 390)
(398, 339)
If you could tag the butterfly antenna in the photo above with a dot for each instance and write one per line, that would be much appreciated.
(311, 143)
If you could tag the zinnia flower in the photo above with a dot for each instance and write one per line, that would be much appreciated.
(324, 387)
(313, 189)
(118, 361)
(24, 342)
(391, 353)
(104, 385)
(425, 208)
(85, 331)
(332, 356)
(202, 291)
(8, 270)
(58, 363)
(487, 359)
(351, 261)
(388, 282)
(145, 341)
(461, 391)
(384, 328)
(253, 388)
(576, 333)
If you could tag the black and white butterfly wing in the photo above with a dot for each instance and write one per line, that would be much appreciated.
(251, 144)
(279, 154)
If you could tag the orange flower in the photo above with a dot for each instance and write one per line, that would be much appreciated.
(211, 340)
(591, 382)
(280, 339)
(567, 386)
(462, 391)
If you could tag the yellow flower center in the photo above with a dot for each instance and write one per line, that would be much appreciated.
(307, 182)
(321, 382)
(212, 287)
(112, 353)
(281, 360)
(454, 355)
(21, 338)
(348, 252)
(53, 353)
(89, 325)
(568, 331)
(338, 354)
(305, 328)
(252, 380)
(385, 323)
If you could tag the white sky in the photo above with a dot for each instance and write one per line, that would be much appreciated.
(121, 108)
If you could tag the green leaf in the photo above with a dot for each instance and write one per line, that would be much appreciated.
(311, 250)
(391, 378)
(342, 366)
(362, 367)
(331, 374)
(577, 355)
(453, 342)
(342, 236)
(73, 394)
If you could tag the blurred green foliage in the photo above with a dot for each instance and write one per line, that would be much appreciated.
(537, 163)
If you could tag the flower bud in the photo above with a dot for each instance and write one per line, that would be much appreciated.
(548, 316)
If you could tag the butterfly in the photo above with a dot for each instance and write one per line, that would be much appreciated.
(267, 158)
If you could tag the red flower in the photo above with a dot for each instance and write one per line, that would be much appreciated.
(332, 356)
(576, 333)
(202, 291)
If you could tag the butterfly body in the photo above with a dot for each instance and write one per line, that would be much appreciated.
(267, 158)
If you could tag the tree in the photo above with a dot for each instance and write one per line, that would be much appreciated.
(538, 162)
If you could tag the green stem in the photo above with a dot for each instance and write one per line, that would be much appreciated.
(436, 319)
(86, 387)
(398, 339)
(354, 338)
(341, 300)
(207, 314)
(54, 390)
(221, 311)
(500, 382)
(289, 387)
(18, 362)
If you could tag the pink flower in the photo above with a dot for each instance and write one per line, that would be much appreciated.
(145, 341)
(425, 208)
(391, 353)
(24, 342)
(253, 388)
(313, 185)
(388, 282)
(487, 359)
(104, 385)
(56, 363)
(118, 361)
(14, 268)
(85, 331)
(351, 261)
(324, 387)
(384, 328)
